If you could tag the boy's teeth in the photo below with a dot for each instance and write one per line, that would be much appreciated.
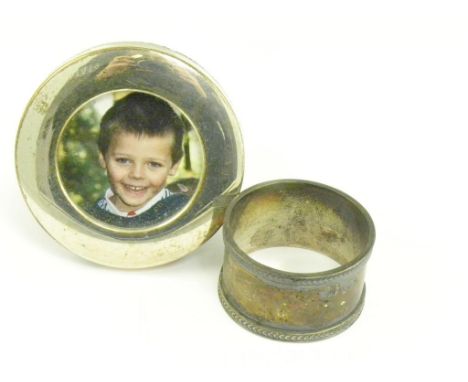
(135, 188)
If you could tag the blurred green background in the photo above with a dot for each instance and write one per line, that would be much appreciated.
(85, 180)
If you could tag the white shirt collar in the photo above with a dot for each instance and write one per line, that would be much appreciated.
(110, 207)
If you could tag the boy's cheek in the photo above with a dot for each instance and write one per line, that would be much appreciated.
(115, 171)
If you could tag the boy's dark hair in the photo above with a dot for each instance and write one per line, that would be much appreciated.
(142, 114)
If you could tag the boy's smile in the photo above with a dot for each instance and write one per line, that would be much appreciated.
(137, 168)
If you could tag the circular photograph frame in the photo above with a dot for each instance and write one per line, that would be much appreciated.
(118, 184)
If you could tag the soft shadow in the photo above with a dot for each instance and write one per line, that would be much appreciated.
(209, 256)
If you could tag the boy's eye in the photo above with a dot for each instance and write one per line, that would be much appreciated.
(122, 160)
(154, 164)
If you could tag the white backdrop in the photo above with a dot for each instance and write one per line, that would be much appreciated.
(369, 97)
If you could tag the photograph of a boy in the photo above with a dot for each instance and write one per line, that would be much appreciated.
(140, 146)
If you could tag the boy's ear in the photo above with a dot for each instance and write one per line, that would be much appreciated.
(174, 168)
(102, 161)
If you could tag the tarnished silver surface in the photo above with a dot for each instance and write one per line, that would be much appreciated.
(129, 67)
(295, 306)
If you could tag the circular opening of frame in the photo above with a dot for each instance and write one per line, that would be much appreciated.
(129, 159)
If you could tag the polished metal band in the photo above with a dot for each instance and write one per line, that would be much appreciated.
(295, 306)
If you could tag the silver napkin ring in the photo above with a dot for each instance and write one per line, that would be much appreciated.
(295, 306)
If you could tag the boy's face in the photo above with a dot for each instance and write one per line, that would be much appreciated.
(137, 168)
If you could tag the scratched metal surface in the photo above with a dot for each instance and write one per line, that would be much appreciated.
(295, 306)
(146, 68)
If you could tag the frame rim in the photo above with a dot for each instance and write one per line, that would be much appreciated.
(206, 219)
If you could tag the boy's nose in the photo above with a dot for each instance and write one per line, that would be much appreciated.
(136, 171)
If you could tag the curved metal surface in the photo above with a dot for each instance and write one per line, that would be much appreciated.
(137, 67)
(295, 306)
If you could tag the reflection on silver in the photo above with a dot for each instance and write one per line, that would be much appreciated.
(134, 67)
